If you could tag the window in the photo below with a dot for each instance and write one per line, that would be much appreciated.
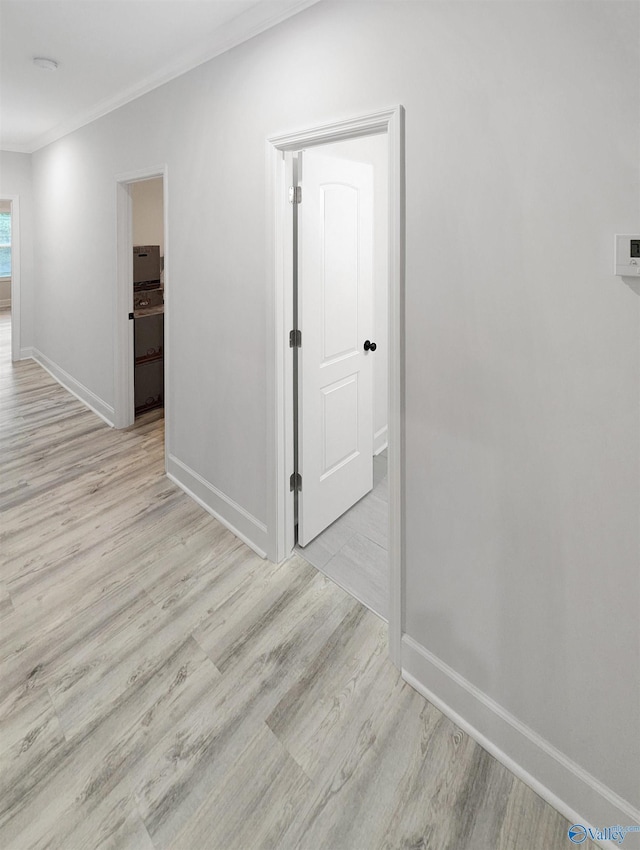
(5, 244)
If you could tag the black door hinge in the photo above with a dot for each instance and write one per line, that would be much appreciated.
(295, 482)
(295, 339)
(131, 315)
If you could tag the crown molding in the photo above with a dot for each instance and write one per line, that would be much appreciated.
(250, 23)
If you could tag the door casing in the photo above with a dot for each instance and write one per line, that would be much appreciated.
(279, 384)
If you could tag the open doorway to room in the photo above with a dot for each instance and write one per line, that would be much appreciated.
(147, 218)
(10, 276)
(5, 255)
(335, 336)
(341, 406)
(142, 303)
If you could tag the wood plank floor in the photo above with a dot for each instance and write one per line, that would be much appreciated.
(163, 687)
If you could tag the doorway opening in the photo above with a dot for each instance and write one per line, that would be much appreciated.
(341, 370)
(142, 310)
(148, 297)
(10, 271)
(284, 154)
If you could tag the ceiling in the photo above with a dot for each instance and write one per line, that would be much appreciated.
(109, 52)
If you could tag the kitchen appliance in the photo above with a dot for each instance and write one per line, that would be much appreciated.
(146, 267)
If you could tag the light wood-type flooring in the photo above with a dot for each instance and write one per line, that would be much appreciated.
(161, 686)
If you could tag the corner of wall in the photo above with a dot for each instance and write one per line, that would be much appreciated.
(91, 400)
(234, 517)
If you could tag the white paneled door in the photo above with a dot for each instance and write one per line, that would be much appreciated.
(335, 316)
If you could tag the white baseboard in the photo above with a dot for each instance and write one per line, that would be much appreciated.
(380, 440)
(4, 303)
(88, 398)
(239, 521)
(571, 790)
(26, 353)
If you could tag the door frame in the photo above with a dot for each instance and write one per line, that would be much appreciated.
(14, 200)
(279, 387)
(124, 406)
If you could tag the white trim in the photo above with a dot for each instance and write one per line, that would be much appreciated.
(139, 174)
(338, 131)
(26, 353)
(243, 524)
(123, 333)
(380, 440)
(550, 773)
(16, 278)
(279, 224)
(15, 302)
(396, 452)
(5, 302)
(82, 393)
(168, 301)
(279, 375)
(251, 22)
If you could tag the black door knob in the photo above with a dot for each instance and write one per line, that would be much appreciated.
(369, 346)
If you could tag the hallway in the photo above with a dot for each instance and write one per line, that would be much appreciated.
(162, 686)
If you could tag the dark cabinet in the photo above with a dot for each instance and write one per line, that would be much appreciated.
(149, 361)
(148, 317)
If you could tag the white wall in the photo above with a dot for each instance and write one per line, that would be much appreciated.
(15, 179)
(373, 150)
(522, 408)
(147, 207)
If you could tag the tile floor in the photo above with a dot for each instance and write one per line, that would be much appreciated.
(353, 551)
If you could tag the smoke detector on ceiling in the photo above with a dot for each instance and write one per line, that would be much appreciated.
(46, 64)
